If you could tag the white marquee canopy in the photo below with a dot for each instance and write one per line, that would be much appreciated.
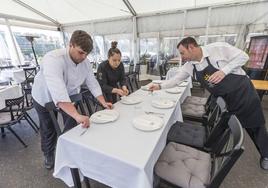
(141, 18)
(66, 13)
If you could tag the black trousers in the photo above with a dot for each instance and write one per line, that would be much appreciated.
(260, 138)
(47, 129)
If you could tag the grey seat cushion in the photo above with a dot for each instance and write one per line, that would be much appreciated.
(193, 110)
(196, 100)
(184, 166)
(188, 134)
(4, 118)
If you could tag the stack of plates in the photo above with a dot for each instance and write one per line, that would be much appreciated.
(174, 90)
(104, 116)
(130, 100)
(162, 103)
(147, 122)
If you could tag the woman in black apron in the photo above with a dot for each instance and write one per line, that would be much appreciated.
(111, 75)
(243, 101)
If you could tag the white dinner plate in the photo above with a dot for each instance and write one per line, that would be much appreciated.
(174, 90)
(183, 84)
(148, 122)
(162, 103)
(104, 116)
(130, 100)
(145, 88)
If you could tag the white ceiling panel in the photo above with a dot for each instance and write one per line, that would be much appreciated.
(150, 6)
(69, 11)
(9, 7)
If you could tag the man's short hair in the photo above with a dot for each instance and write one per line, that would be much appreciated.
(83, 40)
(186, 41)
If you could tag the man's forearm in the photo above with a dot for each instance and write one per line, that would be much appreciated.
(69, 108)
(101, 100)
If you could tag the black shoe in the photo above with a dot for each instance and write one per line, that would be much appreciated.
(49, 161)
(264, 163)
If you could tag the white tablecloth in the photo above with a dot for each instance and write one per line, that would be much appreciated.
(15, 74)
(117, 154)
(9, 92)
(173, 71)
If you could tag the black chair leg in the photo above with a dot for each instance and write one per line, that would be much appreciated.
(32, 121)
(17, 136)
(86, 180)
(3, 132)
(76, 178)
(88, 107)
(137, 84)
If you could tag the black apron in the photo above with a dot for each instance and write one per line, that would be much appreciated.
(239, 94)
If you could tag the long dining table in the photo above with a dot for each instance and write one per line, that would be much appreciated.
(116, 153)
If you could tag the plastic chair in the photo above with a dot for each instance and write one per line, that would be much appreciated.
(91, 102)
(13, 114)
(184, 166)
(30, 74)
(53, 110)
(201, 136)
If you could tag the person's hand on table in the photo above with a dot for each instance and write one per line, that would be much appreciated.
(125, 90)
(84, 120)
(107, 105)
(154, 87)
(119, 92)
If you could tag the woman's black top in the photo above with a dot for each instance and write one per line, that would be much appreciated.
(109, 78)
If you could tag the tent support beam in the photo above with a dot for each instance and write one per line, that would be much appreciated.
(184, 22)
(37, 12)
(13, 40)
(207, 26)
(135, 46)
(130, 7)
(11, 17)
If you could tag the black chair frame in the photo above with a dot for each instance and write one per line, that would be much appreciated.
(228, 155)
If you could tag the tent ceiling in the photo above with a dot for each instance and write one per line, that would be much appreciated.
(149, 6)
(11, 8)
(72, 11)
(69, 11)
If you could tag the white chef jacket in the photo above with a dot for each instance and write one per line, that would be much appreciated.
(222, 56)
(59, 77)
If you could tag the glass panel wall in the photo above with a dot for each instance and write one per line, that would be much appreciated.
(8, 55)
(148, 54)
(43, 42)
(229, 38)
(168, 49)
(124, 45)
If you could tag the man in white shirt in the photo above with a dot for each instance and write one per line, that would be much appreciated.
(217, 67)
(61, 74)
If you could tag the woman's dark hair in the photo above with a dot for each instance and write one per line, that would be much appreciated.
(113, 50)
(186, 41)
(83, 40)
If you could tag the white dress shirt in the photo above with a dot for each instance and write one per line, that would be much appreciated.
(59, 77)
(222, 56)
